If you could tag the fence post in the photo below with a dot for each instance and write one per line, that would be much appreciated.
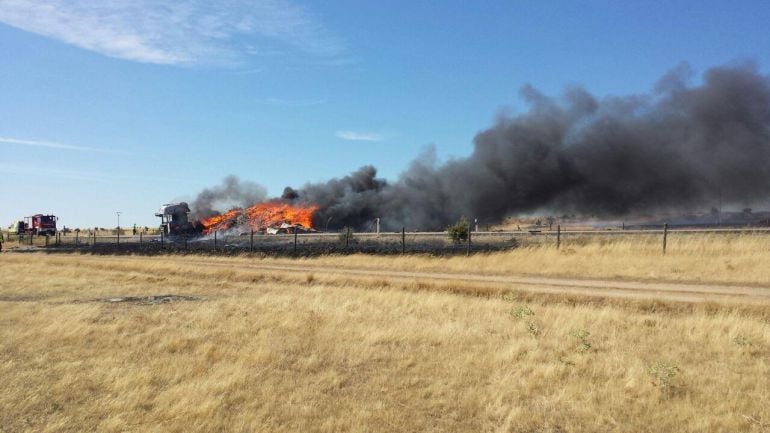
(251, 241)
(295, 240)
(46, 239)
(30, 238)
(558, 236)
(347, 236)
(140, 239)
(403, 240)
(665, 236)
(215, 240)
(77, 238)
(94, 244)
(161, 238)
(468, 248)
(118, 240)
(185, 242)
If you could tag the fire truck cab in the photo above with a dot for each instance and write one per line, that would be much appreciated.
(40, 224)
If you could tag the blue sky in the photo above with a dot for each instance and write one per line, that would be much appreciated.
(122, 105)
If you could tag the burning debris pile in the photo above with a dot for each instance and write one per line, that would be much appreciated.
(682, 146)
(269, 217)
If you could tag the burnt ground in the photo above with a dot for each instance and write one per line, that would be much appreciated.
(285, 247)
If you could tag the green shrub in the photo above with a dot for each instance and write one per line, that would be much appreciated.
(584, 344)
(663, 374)
(458, 232)
(521, 312)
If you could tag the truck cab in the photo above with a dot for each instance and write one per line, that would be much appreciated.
(40, 224)
(174, 219)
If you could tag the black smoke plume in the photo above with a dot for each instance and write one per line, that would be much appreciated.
(679, 147)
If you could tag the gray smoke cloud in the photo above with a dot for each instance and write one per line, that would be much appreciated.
(230, 194)
(680, 146)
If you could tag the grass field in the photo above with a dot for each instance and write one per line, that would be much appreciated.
(713, 258)
(286, 351)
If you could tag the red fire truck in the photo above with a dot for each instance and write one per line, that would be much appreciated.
(40, 224)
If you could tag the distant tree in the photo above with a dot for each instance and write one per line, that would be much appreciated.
(550, 220)
(458, 232)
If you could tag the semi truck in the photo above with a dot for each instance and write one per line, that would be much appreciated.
(174, 219)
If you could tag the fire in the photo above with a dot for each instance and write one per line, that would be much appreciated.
(221, 222)
(261, 216)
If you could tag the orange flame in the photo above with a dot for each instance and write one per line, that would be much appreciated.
(261, 216)
(221, 222)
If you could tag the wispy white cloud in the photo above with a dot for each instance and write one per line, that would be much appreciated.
(51, 145)
(85, 175)
(175, 31)
(359, 136)
(295, 102)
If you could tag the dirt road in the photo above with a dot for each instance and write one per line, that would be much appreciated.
(588, 287)
(626, 289)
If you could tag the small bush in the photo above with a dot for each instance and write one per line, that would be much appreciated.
(521, 311)
(458, 232)
(663, 374)
(741, 340)
(582, 335)
(533, 329)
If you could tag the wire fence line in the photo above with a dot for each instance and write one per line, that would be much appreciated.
(347, 242)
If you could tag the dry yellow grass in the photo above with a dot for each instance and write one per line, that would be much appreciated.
(718, 258)
(269, 351)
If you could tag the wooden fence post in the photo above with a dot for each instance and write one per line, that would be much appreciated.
(215, 241)
(558, 236)
(251, 242)
(665, 236)
(403, 240)
(140, 239)
(161, 238)
(295, 240)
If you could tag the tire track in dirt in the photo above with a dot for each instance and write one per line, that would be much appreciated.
(626, 289)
